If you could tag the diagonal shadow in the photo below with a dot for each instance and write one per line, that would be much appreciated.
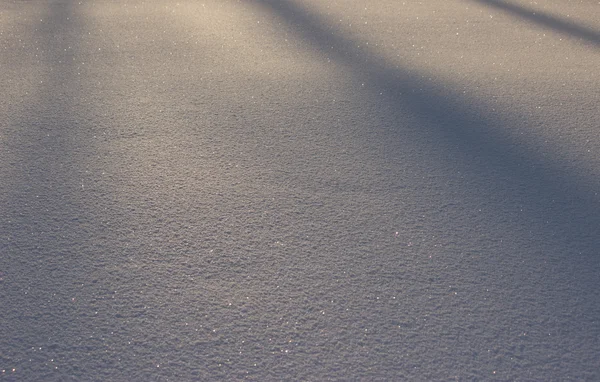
(548, 21)
(554, 191)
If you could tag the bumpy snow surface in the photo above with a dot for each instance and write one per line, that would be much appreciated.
(299, 190)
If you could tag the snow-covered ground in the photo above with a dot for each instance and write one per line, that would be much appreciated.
(299, 190)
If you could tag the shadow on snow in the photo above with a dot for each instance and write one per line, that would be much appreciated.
(553, 191)
(566, 27)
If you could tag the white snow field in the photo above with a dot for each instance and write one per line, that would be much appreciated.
(300, 190)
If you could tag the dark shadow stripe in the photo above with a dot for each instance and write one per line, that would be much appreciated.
(566, 27)
(552, 189)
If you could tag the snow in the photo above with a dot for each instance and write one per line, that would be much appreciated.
(304, 190)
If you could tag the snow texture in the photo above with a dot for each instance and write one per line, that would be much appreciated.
(299, 190)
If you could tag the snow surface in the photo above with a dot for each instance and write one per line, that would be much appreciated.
(299, 190)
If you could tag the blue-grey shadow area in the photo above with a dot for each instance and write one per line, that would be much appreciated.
(46, 226)
(553, 191)
(559, 223)
(41, 135)
(545, 20)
